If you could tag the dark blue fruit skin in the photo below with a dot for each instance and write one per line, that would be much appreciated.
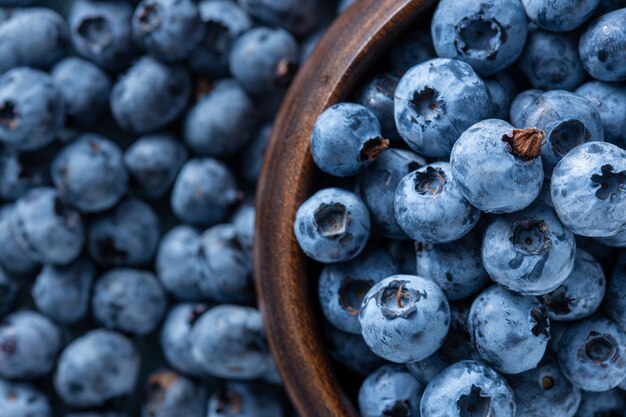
(580, 295)
(175, 338)
(127, 235)
(350, 351)
(346, 138)
(529, 252)
(519, 104)
(615, 241)
(129, 300)
(167, 29)
(488, 35)
(412, 49)
(510, 331)
(221, 122)
(591, 354)
(264, 60)
(22, 400)
(251, 155)
(23, 171)
(101, 32)
(561, 15)
(223, 22)
(333, 225)
(502, 90)
(544, 391)
(557, 330)
(614, 303)
(377, 187)
(297, 16)
(90, 173)
(46, 228)
(239, 399)
(443, 91)
(100, 366)
(342, 286)
(228, 341)
(594, 404)
(204, 192)
(610, 101)
(150, 95)
(403, 252)
(404, 318)
(153, 161)
(583, 205)
(388, 390)
(30, 344)
(602, 47)
(427, 369)
(489, 173)
(8, 292)
(168, 393)
(244, 221)
(32, 109)
(430, 207)
(456, 266)
(62, 293)
(464, 381)
(377, 95)
(12, 257)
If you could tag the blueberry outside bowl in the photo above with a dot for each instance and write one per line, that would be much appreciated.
(286, 280)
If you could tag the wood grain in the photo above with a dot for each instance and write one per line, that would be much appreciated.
(285, 279)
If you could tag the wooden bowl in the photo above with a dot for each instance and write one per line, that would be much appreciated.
(286, 280)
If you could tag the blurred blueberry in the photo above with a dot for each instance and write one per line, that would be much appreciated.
(389, 391)
(168, 393)
(610, 101)
(350, 351)
(297, 16)
(12, 257)
(597, 404)
(252, 154)
(561, 15)
(243, 221)
(602, 47)
(377, 95)
(22, 171)
(239, 399)
(22, 400)
(8, 292)
(502, 90)
(413, 48)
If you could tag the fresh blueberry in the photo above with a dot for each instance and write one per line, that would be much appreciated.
(129, 300)
(22, 171)
(614, 303)
(520, 103)
(561, 15)
(264, 60)
(22, 400)
(252, 154)
(602, 47)
(244, 221)
(221, 122)
(436, 101)
(297, 16)
(599, 404)
(497, 167)
(488, 35)
(62, 293)
(238, 399)
(502, 90)
(150, 95)
(589, 189)
(8, 292)
(98, 367)
(468, 389)
(333, 225)
(592, 354)
(427, 369)
(204, 192)
(404, 318)
(610, 101)
(342, 286)
(390, 391)
(32, 109)
(12, 257)
(430, 206)
(377, 95)
(350, 351)
(412, 49)
(377, 187)
(580, 295)
(510, 331)
(171, 394)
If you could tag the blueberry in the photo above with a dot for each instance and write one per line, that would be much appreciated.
(497, 167)
(377, 95)
(598, 404)
(404, 318)
(229, 342)
(46, 228)
(488, 35)
(22, 400)
(252, 154)
(520, 103)
(153, 161)
(377, 187)
(588, 189)
(101, 32)
(458, 344)
(529, 252)
(171, 394)
(150, 95)
(129, 300)
(581, 293)
(468, 389)
(264, 60)
(550, 60)
(238, 399)
(561, 15)
(413, 48)
(350, 351)
(427, 369)
(333, 225)
(32, 109)
(614, 302)
(98, 367)
(610, 101)
(615, 241)
(510, 331)
(221, 122)
(126, 235)
(390, 391)
(430, 207)
(62, 293)
(244, 221)
(8, 292)
(22, 171)
(297, 16)
(502, 90)
(591, 354)
(602, 47)
(436, 101)
(342, 286)
(403, 251)
(204, 192)
(13, 258)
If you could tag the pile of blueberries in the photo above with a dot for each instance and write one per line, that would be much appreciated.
(470, 249)
(131, 137)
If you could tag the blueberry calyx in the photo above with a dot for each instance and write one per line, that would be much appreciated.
(565, 135)
(400, 408)
(285, 71)
(195, 313)
(227, 402)
(158, 384)
(427, 104)
(547, 383)
(8, 115)
(609, 183)
(558, 301)
(432, 181)
(351, 294)
(96, 31)
(396, 300)
(525, 143)
(479, 35)
(542, 325)
(149, 17)
(331, 220)
(372, 148)
(531, 236)
(474, 404)
(598, 349)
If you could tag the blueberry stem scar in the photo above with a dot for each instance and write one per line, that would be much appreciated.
(525, 143)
